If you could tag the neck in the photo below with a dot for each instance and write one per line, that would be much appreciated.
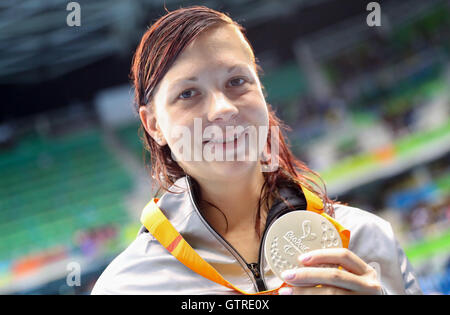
(237, 199)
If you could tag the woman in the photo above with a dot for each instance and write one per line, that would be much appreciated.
(195, 73)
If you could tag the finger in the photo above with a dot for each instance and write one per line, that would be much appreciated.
(339, 256)
(316, 290)
(326, 276)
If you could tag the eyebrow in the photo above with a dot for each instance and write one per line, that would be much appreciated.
(193, 79)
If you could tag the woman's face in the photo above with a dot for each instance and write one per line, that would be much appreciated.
(209, 107)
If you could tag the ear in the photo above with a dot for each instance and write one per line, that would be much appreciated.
(150, 124)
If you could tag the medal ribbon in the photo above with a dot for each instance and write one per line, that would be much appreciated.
(166, 234)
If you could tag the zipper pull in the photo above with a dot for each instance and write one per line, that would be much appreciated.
(254, 267)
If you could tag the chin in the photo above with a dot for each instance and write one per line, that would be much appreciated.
(230, 169)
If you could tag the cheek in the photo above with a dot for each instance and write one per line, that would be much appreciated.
(178, 131)
(172, 123)
(255, 109)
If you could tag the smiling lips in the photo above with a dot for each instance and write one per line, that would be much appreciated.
(234, 138)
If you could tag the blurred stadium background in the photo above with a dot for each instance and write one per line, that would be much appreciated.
(368, 107)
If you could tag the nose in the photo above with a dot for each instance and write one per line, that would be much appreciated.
(221, 109)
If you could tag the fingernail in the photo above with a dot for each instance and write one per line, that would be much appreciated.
(285, 291)
(288, 275)
(305, 259)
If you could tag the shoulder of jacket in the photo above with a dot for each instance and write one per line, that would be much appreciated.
(358, 218)
(369, 234)
(373, 239)
(114, 277)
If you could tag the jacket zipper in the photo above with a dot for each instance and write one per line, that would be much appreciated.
(257, 280)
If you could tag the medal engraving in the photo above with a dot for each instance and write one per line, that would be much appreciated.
(296, 233)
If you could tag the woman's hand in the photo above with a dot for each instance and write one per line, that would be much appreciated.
(355, 276)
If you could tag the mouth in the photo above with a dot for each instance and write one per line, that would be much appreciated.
(234, 138)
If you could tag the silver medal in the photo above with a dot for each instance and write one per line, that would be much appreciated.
(296, 233)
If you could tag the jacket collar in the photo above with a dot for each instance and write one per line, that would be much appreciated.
(183, 199)
(292, 194)
(294, 197)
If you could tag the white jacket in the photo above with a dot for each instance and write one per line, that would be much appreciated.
(146, 267)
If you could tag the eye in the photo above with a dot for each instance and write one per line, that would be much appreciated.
(187, 94)
(237, 81)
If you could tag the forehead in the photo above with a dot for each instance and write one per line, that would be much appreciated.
(219, 46)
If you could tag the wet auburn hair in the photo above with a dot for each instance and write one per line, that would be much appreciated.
(159, 48)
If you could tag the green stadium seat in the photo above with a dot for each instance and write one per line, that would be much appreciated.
(51, 188)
